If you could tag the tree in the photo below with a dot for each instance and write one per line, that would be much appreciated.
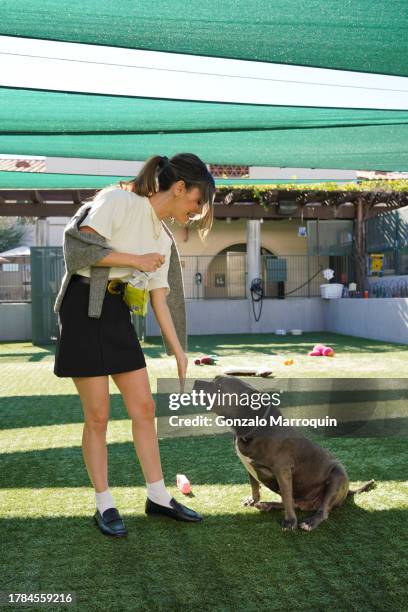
(11, 233)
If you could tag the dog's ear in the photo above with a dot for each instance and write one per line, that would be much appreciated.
(220, 378)
(233, 384)
(203, 385)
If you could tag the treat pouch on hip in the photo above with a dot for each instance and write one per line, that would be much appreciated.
(136, 294)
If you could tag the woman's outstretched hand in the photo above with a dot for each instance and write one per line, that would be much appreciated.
(165, 321)
(182, 363)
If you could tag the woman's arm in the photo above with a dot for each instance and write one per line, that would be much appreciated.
(147, 263)
(163, 317)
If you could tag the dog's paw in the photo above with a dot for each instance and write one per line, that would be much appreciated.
(289, 524)
(306, 526)
(249, 501)
(313, 521)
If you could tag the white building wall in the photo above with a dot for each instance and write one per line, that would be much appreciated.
(56, 227)
(264, 172)
(15, 322)
(108, 167)
(236, 316)
(379, 319)
(383, 319)
(29, 235)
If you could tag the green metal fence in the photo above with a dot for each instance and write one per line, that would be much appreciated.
(388, 234)
(330, 237)
(47, 270)
(388, 231)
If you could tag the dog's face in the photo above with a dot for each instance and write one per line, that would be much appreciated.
(227, 392)
(233, 399)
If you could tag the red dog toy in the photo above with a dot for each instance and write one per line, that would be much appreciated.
(206, 360)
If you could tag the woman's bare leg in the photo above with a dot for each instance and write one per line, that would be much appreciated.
(135, 389)
(94, 394)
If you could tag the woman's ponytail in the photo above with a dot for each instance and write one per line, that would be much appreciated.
(160, 172)
(145, 183)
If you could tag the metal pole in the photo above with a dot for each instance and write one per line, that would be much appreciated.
(253, 252)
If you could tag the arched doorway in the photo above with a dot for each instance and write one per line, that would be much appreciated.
(225, 276)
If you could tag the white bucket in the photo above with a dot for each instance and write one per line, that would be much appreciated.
(331, 291)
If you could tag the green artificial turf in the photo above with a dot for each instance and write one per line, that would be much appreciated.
(238, 558)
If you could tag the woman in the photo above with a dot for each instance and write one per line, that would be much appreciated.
(89, 349)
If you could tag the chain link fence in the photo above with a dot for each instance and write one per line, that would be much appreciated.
(213, 276)
(225, 275)
(15, 282)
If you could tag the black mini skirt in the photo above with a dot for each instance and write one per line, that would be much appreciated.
(95, 347)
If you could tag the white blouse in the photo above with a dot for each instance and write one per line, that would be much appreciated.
(130, 225)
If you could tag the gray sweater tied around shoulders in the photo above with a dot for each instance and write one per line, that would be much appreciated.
(82, 250)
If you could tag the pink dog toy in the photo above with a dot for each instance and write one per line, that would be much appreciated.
(321, 350)
(183, 484)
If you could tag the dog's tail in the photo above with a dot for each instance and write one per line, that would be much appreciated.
(364, 487)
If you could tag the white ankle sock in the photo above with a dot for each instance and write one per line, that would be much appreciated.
(157, 492)
(104, 501)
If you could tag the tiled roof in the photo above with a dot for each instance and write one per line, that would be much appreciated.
(22, 165)
(229, 171)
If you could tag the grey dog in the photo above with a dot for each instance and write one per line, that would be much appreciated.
(305, 475)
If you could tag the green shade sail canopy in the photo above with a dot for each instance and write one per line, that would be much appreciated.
(363, 35)
(114, 127)
(27, 111)
(46, 180)
(380, 147)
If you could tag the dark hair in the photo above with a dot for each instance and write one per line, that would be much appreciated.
(159, 173)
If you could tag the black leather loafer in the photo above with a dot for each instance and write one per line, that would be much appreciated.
(177, 511)
(111, 523)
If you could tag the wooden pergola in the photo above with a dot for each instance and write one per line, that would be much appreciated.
(267, 202)
(357, 202)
